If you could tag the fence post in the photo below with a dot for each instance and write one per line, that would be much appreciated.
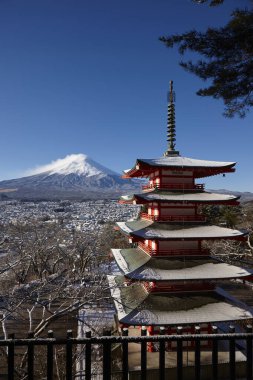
(197, 354)
(125, 355)
(88, 356)
(106, 356)
(232, 354)
(179, 355)
(249, 353)
(162, 355)
(30, 357)
(11, 357)
(215, 354)
(143, 355)
(69, 355)
(50, 356)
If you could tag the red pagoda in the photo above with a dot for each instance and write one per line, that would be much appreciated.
(169, 278)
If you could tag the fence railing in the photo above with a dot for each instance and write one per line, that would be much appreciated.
(174, 218)
(174, 186)
(89, 344)
(174, 252)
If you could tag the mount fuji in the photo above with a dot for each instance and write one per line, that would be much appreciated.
(75, 176)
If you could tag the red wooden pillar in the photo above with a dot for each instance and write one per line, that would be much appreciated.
(150, 345)
(157, 247)
(199, 245)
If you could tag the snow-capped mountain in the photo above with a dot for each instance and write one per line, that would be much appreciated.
(76, 174)
(79, 164)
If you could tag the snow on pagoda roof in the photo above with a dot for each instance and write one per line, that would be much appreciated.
(182, 197)
(152, 230)
(182, 162)
(138, 265)
(135, 306)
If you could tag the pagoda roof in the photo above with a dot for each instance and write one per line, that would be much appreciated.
(138, 265)
(146, 229)
(135, 306)
(143, 166)
(169, 196)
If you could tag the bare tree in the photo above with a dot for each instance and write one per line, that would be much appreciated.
(50, 273)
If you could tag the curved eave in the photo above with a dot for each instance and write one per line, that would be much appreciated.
(186, 198)
(200, 168)
(173, 308)
(137, 265)
(197, 172)
(152, 231)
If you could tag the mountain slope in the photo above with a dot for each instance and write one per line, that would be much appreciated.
(75, 175)
(245, 196)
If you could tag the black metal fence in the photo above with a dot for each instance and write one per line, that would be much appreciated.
(81, 366)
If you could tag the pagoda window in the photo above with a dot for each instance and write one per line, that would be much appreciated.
(154, 245)
(152, 285)
(146, 242)
(156, 212)
(149, 211)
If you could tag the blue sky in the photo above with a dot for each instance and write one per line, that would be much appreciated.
(90, 76)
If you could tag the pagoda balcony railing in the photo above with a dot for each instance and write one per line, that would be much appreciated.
(173, 252)
(93, 357)
(173, 186)
(174, 218)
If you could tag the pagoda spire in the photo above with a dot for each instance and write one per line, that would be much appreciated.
(171, 125)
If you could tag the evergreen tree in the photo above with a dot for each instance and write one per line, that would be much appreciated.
(227, 59)
(212, 3)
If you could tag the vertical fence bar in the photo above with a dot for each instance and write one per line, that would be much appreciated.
(88, 357)
(232, 354)
(11, 357)
(30, 357)
(69, 362)
(249, 353)
(162, 356)
(179, 355)
(50, 356)
(143, 355)
(106, 356)
(215, 354)
(197, 355)
(125, 355)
